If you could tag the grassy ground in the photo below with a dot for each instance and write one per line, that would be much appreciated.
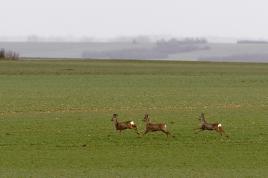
(55, 119)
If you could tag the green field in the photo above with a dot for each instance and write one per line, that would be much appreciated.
(55, 119)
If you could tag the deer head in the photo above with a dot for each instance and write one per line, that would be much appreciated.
(114, 118)
(146, 118)
(202, 117)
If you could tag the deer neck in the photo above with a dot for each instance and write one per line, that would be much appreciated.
(203, 121)
(115, 121)
(148, 122)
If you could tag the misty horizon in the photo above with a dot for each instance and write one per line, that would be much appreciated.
(151, 29)
(100, 19)
(140, 38)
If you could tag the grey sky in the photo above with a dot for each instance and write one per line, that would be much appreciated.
(110, 18)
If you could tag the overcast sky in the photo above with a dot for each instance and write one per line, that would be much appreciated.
(110, 18)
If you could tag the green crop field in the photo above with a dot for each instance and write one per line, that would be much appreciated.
(55, 119)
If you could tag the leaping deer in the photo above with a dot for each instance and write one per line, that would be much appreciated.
(119, 126)
(152, 127)
(204, 125)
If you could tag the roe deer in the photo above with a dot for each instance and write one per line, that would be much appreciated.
(152, 127)
(119, 126)
(204, 125)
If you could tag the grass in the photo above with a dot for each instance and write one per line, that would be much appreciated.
(55, 119)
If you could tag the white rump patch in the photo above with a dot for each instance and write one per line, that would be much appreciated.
(219, 125)
(132, 123)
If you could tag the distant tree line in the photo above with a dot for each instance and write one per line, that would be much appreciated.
(177, 46)
(162, 49)
(8, 55)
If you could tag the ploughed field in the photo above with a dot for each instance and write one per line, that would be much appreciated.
(55, 119)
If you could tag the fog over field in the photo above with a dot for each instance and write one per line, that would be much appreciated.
(163, 50)
(158, 29)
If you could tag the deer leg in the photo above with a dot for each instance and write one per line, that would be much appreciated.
(135, 128)
(166, 132)
(199, 130)
(145, 132)
(223, 132)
